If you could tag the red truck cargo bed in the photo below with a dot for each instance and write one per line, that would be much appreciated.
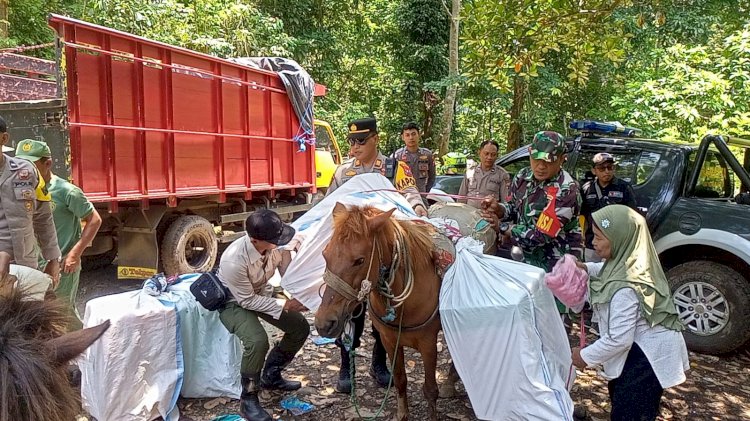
(149, 121)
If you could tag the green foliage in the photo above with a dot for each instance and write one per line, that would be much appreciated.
(699, 89)
(677, 68)
(28, 23)
(226, 28)
(504, 39)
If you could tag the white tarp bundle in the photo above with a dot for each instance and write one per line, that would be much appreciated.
(500, 320)
(212, 355)
(468, 220)
(304, 276)
(134, 371)
(156, 349)
(506, 337)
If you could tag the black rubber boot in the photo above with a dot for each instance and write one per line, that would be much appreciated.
(276, 361)
(379, 367)
(250, 408)
(344, 384)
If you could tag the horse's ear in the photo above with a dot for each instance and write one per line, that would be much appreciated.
(375, 223)
(71, 345)
(339, 209)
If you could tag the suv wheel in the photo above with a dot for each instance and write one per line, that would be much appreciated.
(713, 301)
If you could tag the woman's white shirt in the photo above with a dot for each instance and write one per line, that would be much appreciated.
(620, 324)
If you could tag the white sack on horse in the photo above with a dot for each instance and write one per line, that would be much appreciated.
(506, 337)
(304, 276)
(500, 320)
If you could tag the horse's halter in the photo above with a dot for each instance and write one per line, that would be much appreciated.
(344, 289)
(400, 255)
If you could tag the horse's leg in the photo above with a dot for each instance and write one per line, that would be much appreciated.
(448, 387)
(428, 349)
(399, 377)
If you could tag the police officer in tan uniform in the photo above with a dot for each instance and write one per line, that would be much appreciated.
(25, 213)
(419, 160)
(363, 139)
(486, 178)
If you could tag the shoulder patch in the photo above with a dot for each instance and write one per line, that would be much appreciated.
(42, 192)
(406, 169)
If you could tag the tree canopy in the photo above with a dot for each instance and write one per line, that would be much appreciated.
(675, 68)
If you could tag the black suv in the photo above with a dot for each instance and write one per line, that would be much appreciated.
(697, 205)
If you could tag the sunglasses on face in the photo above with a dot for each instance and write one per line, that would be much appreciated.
(359, 142)
(609, 167)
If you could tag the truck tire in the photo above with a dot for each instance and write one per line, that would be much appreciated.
(713, 301)
(98, 261)
(189, 246)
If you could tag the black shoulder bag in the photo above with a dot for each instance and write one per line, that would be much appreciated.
(209, 291)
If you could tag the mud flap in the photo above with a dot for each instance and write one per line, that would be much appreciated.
(138, 256)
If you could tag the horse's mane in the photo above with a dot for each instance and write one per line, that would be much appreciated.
(353, 227)
(32, 386)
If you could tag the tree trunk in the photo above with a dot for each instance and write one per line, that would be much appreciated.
(428, 123)
(4, 30)
(450, 95)
(515, 133)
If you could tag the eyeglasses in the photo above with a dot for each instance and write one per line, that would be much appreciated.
(360, 142)
(610, 167)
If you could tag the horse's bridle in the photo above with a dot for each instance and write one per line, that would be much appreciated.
(400, 254)
(344, 289)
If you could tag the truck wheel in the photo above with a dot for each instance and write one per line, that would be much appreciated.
(713, 301)
(98, 261)
(189, 245)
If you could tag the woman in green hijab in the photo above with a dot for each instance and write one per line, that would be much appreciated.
(640, 350)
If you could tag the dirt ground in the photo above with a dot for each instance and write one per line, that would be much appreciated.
(718, 388)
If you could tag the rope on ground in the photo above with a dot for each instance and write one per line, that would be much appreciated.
(352, 376)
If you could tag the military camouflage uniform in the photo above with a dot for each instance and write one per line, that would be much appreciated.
(480, 184)
(528, 200)
(422, 166)
(535, 231)
(402, 180)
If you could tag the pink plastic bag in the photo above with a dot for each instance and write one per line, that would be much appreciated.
(568, 282)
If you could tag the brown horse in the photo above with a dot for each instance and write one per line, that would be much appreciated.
(34, 353)
(366, 243)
